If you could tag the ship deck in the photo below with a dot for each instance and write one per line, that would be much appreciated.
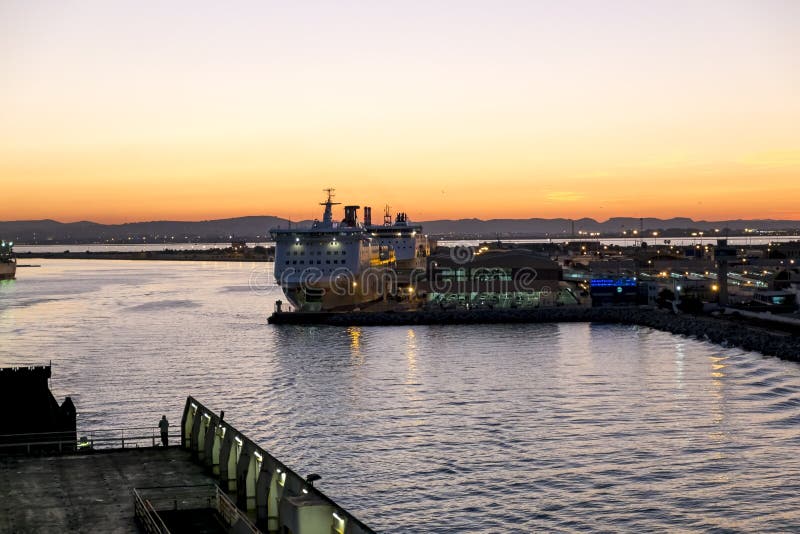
(87, 492)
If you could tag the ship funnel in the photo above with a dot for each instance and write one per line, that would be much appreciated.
(367, 216)
(350, 215)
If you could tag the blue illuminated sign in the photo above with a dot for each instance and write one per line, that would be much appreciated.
(613, 282)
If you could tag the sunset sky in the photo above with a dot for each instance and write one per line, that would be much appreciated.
(122, 111)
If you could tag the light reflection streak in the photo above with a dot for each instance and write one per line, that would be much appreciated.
(355, 334)
(680, 355)
(718, 392)
(411, 356)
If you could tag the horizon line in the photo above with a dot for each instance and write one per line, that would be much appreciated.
(576, 219)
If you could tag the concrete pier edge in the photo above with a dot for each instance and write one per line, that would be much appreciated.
(726, 332)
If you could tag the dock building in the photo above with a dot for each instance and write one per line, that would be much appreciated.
(502, 278)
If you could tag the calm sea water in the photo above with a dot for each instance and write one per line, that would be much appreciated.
(495, 428)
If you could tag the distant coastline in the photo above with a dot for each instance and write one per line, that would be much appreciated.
(256, 229)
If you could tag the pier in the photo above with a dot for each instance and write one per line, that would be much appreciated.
(215, 480)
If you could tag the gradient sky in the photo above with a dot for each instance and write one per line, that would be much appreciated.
(120, 111)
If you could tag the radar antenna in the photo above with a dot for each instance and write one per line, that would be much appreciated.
(327, 216)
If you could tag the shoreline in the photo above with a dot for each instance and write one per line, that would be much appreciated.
(144, 256)
(726, 332)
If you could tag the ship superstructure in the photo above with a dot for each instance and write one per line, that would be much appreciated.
(411, 247)
(8, 263)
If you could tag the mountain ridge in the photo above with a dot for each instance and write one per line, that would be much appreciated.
(256, 228)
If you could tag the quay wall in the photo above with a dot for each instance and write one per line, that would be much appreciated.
(732, 332)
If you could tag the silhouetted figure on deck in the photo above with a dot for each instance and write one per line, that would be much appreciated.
(163, 425)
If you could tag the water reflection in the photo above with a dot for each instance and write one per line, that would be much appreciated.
(411, 356)
(355, 334)
(680, 355)
(718, 393)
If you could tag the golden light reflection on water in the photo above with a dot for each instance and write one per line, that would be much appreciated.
(717, 368)
(355, 334)
(412, 385)
(718, 393)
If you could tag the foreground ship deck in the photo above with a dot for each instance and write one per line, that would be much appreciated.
(218, 480)
(80, 492)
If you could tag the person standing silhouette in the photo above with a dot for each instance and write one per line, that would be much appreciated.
(163, 425)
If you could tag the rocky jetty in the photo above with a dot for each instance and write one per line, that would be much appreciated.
(725, 331)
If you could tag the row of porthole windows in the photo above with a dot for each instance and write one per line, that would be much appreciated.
(319, 253)
(311, 262)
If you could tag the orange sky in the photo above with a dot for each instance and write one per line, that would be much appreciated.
(124, 112)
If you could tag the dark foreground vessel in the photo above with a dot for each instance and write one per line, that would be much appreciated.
(216, 480)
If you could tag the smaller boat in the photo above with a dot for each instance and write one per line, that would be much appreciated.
(8, 263)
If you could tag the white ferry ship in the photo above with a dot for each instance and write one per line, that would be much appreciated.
(345, 265)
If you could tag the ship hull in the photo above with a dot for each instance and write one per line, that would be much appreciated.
(7, 271)
(327, 298)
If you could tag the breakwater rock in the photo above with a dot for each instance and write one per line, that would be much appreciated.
(723, 331)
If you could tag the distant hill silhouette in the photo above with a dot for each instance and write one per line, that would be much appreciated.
(256, 228)
(220, 230)
(615, 225)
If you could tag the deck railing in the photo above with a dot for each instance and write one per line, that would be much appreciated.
(149, 501)
(109, 438)
(147, 516)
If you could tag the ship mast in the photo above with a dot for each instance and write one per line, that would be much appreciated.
(387, 216)
(327, 217)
